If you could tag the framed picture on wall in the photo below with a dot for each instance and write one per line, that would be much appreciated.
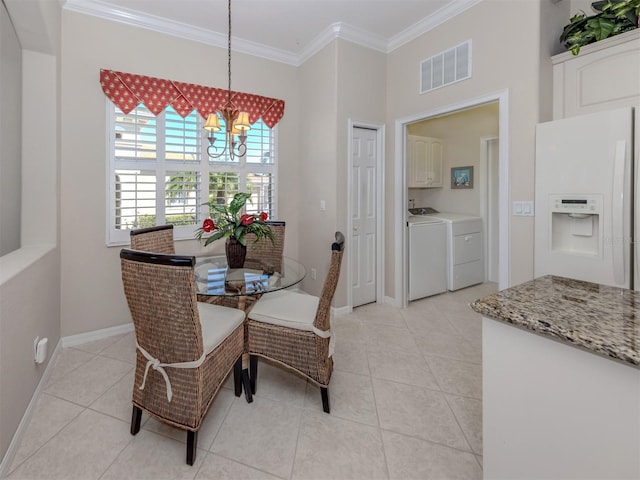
(462, 177)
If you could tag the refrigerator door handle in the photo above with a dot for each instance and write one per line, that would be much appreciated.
(635, 250)
(617, 223)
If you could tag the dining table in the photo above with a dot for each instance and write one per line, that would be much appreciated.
(240, 287)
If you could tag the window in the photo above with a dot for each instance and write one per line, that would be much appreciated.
(160, 172)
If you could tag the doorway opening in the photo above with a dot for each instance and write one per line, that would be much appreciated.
(498, 229)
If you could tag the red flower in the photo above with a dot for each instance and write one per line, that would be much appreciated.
(247, 219)
(208, 225)
(263, 217)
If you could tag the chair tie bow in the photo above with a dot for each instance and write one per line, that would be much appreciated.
(327, 334)
(159, 367)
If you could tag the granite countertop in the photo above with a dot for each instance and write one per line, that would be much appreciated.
(599, 318)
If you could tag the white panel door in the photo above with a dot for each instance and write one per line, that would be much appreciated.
(363, 205)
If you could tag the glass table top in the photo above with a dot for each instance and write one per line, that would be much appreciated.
(213, 277)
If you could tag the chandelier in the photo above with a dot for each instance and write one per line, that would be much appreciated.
(235, 122)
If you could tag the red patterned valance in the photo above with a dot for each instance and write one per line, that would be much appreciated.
(127, 90)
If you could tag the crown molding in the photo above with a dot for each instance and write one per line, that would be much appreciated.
(345, 32)
(360, 36)
(317, 44)
(165, 26)
(341, 30)
(105, 11)
(429, 23)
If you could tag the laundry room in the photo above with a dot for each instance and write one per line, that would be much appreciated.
(452, 179)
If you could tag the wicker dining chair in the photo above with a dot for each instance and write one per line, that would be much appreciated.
(264, 254)
(153, 239)
(184, 349)
(294, 329)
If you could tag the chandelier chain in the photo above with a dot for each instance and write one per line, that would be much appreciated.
(229, 56)
(235, 122)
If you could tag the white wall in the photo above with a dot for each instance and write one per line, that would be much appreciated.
(343, 81)
(30, 275)
(581, 5)
(92, 296)
(318, 161)
(505, 56)
(320, 96)
(361, 89)
(10, 134)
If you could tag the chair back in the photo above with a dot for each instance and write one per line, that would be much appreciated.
(323, 314)
(264, 253)
(157, 239)
(161, 294)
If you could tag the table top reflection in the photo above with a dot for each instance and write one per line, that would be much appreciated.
(213, 277)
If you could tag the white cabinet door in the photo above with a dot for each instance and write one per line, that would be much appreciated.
(425, 161)
(604, 76)
(436, 154)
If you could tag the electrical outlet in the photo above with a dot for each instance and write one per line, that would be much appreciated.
(314, 273)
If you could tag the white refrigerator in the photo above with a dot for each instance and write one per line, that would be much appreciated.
(584, 198)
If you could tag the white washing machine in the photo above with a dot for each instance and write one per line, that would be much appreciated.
(427, 258)
(465, 254)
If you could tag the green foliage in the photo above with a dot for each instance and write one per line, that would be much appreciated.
(180, 219)
(145, 221)
(613, 18)
(230, 223)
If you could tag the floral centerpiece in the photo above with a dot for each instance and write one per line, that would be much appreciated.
(227, 222)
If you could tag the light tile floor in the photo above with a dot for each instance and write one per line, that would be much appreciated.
(405, 395)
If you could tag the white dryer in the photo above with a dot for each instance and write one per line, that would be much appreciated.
(465, 254)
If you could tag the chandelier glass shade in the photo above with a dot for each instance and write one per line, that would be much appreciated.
(236, 123)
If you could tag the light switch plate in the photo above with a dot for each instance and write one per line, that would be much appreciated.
(523, 209)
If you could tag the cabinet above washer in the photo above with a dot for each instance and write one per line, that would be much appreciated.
(424, 161)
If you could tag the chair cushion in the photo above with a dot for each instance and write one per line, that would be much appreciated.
(287, 309)
(217, 323)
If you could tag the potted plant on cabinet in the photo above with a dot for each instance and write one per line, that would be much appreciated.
(613, 18)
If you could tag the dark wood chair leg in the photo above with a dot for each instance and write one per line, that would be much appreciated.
(253, 372)
(324, 391)
(192, 445)
(246, 383)
(136, 416)
(237, 376)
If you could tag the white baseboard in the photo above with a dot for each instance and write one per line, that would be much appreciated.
(64, 342)
(71, 341)
(81, 338)
(394, 302)
(338, 312)
(10, 454)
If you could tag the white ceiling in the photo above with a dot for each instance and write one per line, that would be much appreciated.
(288, 31)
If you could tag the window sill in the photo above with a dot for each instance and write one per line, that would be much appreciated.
(19, 260)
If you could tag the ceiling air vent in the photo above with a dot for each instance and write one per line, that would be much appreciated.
(446, 67)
